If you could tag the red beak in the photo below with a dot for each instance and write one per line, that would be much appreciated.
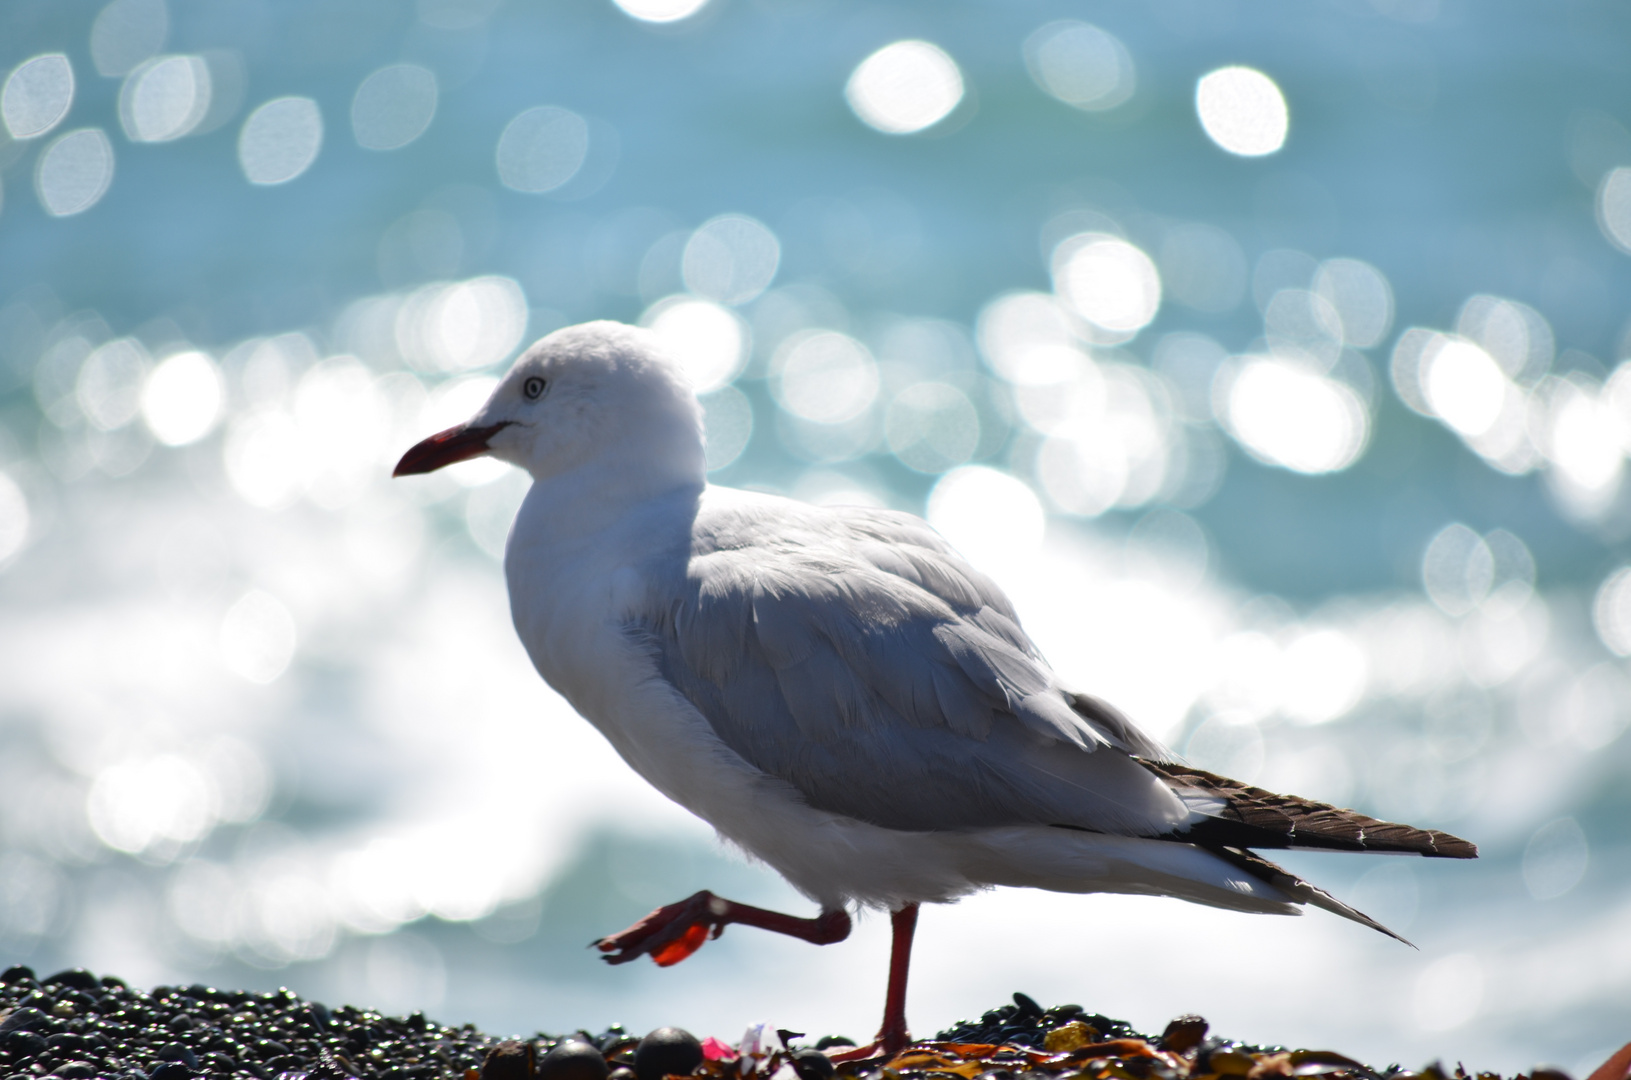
(456, 444)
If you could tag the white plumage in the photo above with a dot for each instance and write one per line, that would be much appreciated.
(835, 690)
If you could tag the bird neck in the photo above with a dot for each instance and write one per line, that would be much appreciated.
(592, 499)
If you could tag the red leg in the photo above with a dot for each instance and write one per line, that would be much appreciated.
(670, 934)
(892, 1036)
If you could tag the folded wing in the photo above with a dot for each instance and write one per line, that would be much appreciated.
(851, 653)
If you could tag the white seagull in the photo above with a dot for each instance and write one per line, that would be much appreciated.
(834, 689)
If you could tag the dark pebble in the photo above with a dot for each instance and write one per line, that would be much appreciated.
(509, 1060)
(622, 1072)
(170, 1070)
(1028, 1008)
(27, 1018)
(1183, 1034)
(17, 973)
(812, 1065)
(78, 978)
(574, 1059)
(75, 1070)
(21, 1043)
(177, 1052)
(667, 1051)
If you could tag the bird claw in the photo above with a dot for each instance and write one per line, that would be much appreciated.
(668, 935)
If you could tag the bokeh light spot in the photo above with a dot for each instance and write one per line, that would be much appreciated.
(74, 172)
(660, 11)
(127, 32)
(905, 87)
(709, 341)
(1361, 298)
(165, 99)
(1457, 569)
(541, 149)
(257, 637)
(1325, 676)
(1107, 281)
(109, 385)
(1026, 338)
(1285, 414)
(37, 95)
(727, 420)
(1242, 110)
(1555, 859)
(932, 427)
(1464, 386)
(824, 376)
(992, 518)
(280, 140)
(731, 258)
(468, 324)
(182, 399)
(13, 518)
(1614, 207)
(1080, 65)
(1611, 612)
(264, 458)
(1448, 993)
(136, 805)
(393, 107)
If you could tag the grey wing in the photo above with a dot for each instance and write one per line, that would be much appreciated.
(862, 661)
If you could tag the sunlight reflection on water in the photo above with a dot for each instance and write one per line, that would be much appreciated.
(269, 700)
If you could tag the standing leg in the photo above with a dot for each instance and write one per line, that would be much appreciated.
(893, 1036)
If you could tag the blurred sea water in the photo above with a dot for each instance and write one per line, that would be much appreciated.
(1274, 356)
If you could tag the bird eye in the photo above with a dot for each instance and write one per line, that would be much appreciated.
(533, 387)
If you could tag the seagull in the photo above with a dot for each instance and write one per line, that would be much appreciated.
(835, 689)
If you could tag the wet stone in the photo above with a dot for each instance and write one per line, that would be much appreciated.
(812, 1065)
(509, 1060)
(667, 1051)
(178, 1052)
(573, 1059)
(1183, 1034)
(26, 1018)
(77, 978)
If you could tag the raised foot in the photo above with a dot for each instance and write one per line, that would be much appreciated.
(669, 934)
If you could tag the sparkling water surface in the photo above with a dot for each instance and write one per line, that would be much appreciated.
(1272, 355)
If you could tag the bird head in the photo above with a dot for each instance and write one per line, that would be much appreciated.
(595, 392)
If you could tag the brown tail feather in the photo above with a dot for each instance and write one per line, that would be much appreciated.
(1253, 818)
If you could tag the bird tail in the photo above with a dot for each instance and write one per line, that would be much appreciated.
(1229, 814)
(1299, 890)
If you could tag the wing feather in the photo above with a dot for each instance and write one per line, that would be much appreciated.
(854, 655)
